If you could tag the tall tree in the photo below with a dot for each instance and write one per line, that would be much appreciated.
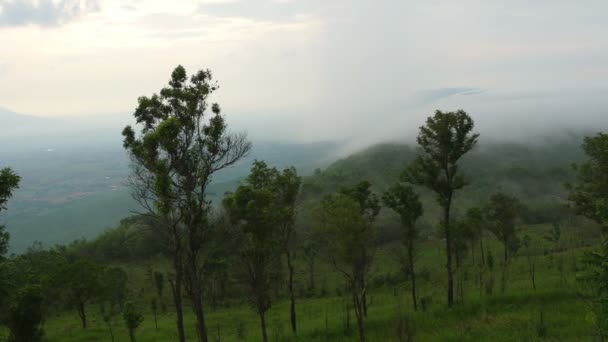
(263, 210)
(405, 202)
(502, 212)
(349, 243)
(589, 195)
(179, 149)
(369, 205)
(132, 318)
(443, 141)
(9, 181)
(287, 186)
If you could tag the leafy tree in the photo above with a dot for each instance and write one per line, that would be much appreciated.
(555, 234)
(286, 185)
(502, 212)
(349, 243)
(108, 312)
(179, 149)
(113, 284)
(25, 315)
(132, 318)
(310, 250)
(264, 210)
(370, 208)
(589, 194)
(475, 221)
(9, 181)
(81, 283)
(530, 257)
(443, 141)
(405, 202)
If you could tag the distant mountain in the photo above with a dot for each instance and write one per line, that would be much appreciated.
(10, 119)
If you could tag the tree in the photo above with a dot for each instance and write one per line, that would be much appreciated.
(405, 202)
(502, 213)
(107, 312)
(80, 281)
(589, 192)
(527, 243)
(370, 208)
(443, 141)
(349, 243)
(287, 186)
(589, 195)
(113, 284)
(25, 315)
(132, 318)
(310, 250)
(263, 210)
(179, 149)
(9, 181)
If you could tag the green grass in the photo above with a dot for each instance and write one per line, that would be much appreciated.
(510, 316)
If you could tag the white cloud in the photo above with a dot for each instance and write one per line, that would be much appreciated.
(312, 69)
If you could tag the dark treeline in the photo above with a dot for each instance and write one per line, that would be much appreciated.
(248, 248)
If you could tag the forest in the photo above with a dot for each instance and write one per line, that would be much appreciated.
(456, 238)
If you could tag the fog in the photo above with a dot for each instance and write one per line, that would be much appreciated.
(354, 71)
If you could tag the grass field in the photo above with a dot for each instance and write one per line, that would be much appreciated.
(514, 315)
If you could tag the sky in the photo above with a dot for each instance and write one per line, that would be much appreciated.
(310, 70)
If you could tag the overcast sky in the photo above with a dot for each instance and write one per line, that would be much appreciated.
(316, 69)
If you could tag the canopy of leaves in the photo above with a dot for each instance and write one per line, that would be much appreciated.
(444, 139)
(590, 190)
(403, 200)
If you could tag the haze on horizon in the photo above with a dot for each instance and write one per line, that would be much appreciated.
(310, 70)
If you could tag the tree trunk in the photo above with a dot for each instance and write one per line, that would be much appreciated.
(194, 289)
(194, 284)
(263, 324)
(358, 304)
(197, 307)
(132, 335)
(483, 257)
(364, 298)
(448, 245)
(176, 287)
(82, 314)
(292, 312)
(155, 321)
(410, 255)
(111, 331)
(311, 270)
(532, 271)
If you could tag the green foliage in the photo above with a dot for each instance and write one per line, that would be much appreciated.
(362, 194)
(263, 211)
(590, 197)
(502, 213)
(132, 318)
(24, 318)
(444, 139)
(590, 190)
(9, 181)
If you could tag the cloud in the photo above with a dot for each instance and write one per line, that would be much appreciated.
(258, 9)
(43, 12)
